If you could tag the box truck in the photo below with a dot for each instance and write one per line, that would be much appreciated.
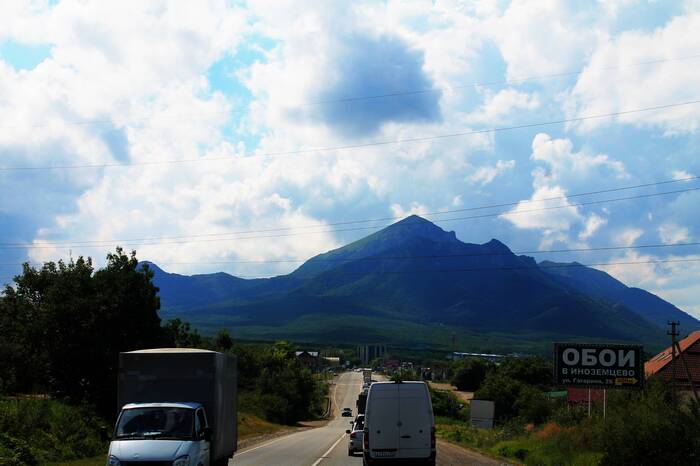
(176, 406)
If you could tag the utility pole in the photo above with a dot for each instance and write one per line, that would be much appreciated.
(673, 333)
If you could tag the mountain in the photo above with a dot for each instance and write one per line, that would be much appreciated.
(599, 284)
(413, 283)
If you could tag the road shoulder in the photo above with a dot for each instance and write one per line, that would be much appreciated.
(449, 453)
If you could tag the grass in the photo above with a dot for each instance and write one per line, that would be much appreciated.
(550, 445)
(94, 461)
(35, 431)
(250, 425)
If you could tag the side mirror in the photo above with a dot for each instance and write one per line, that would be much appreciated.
(104, 434)
(207, 433)
(347, 431)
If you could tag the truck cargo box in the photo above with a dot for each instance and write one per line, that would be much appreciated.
(185, 375)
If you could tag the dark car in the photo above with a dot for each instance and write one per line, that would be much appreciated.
(347, 412)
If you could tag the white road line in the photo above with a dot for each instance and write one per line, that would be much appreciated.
(329, 451)
(284, 437)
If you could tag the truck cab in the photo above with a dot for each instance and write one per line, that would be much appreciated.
(160, 433)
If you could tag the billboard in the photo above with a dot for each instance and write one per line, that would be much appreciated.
(595, 365)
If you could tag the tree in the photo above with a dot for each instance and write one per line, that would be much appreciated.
(470, 373)
(222, 341)
(70, 322)
(181, 335)
(531, 370)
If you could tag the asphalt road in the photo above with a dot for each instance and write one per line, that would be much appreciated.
(328, 445)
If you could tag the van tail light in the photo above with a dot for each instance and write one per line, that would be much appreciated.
(365, 438)
(353, 435)
(432, 437)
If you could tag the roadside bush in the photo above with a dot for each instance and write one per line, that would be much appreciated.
(531, 370)
(37, 431)
(469, 374)
(650, 428)
(448, 405)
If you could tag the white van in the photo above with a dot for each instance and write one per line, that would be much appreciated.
(399, 424)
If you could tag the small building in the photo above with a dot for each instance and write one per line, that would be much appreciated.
(309, 358)
(333, 361)
(661, 365)
(456, 355)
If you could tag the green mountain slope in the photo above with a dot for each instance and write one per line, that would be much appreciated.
(409, 281)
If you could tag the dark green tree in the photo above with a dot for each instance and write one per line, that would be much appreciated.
(470, 373)
(222, 341)
(181, 335)
(70, 322)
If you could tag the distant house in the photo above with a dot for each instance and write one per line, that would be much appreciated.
(660, 366)
(309, 358)
(332, 360)
(456, 355)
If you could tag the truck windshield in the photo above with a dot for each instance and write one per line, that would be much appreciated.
(156, 423)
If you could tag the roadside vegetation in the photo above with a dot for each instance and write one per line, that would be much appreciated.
(63, 326)
(647, 427)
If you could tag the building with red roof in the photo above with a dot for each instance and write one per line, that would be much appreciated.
(661, 365)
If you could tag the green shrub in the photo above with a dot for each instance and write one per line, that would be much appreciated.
(650, 428)
(37, 431)
(469, 374)
(447, 404)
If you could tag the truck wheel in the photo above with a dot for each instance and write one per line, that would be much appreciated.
(350, 453)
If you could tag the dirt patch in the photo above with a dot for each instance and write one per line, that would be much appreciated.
(446, 387)
(450, 454)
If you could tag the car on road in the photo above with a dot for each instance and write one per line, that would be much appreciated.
(356, 433)
(347, 412)
(399, 424)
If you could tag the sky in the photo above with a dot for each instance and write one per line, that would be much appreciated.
(246, 137)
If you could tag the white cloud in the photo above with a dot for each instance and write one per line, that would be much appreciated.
(486, 174)
(543, 37)
(414, 209)
(563, 165)
(535, 215)
(628, 236)
(671, 233)
(499, 106)
(593, 224)
(681, 175)
(612, 83)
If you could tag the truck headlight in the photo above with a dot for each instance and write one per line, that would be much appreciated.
(182, 461)
(113, 461)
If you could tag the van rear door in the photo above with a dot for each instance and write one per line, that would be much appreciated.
(383, 415)
(416, 420)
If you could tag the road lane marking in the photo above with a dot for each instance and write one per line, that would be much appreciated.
(284, 437)
(329, 450)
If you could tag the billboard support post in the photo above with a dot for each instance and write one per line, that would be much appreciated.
(589, 402)
(605, 401)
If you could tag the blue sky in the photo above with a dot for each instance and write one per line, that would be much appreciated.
(224, 85)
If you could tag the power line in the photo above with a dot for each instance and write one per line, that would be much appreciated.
(354, 146)
(103, 243)
(497, 83)
(524, 267)
(373, 220)
(428, 256)
(395, 93)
